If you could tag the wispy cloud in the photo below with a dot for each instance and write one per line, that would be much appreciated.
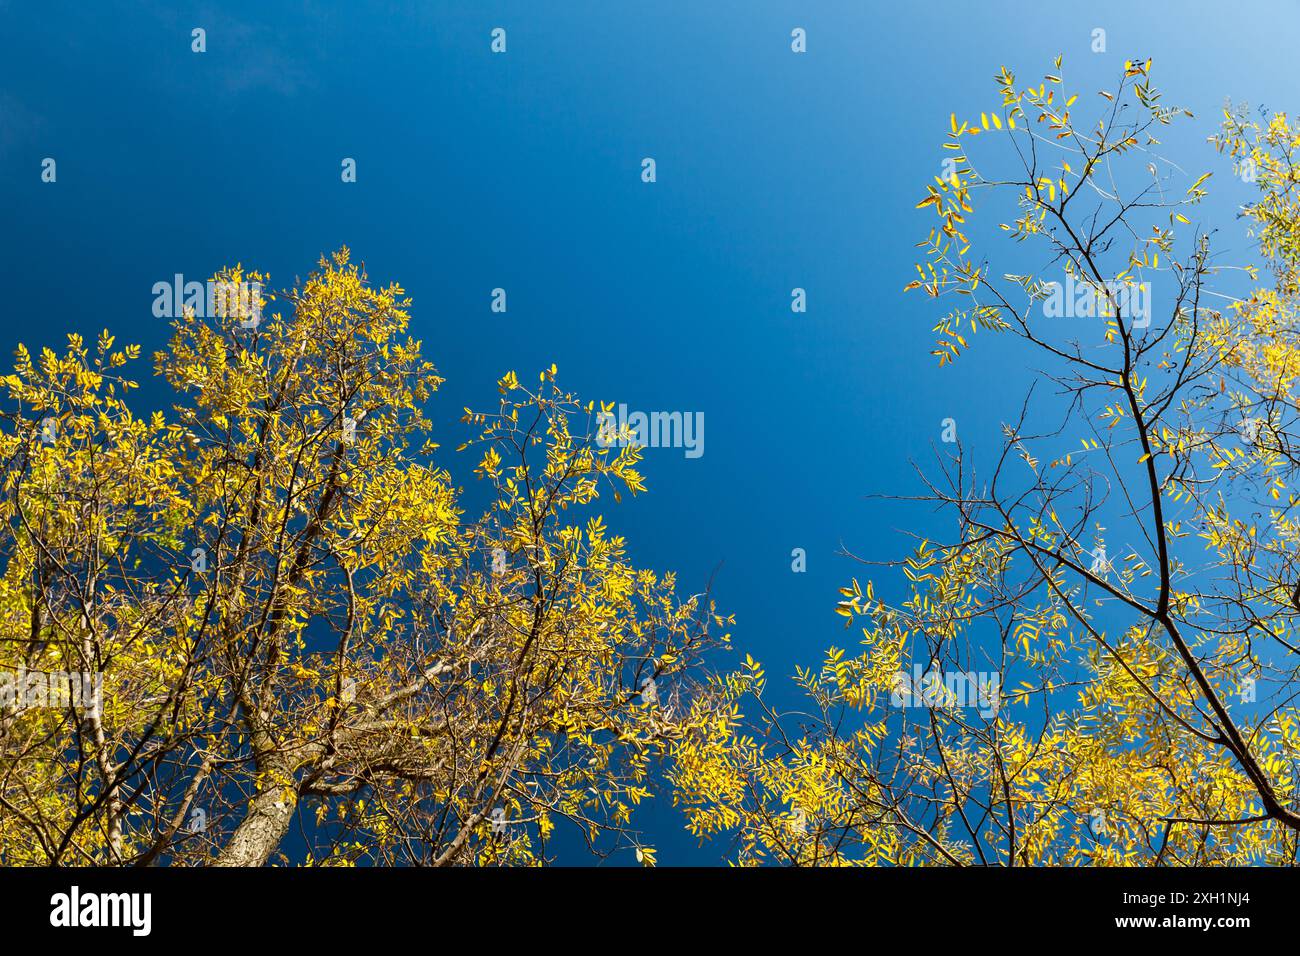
(245, 56)
(17, 122)
(253, 57)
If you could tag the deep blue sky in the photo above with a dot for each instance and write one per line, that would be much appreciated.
(522, 171)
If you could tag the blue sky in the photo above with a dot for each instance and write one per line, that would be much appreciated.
(522, 171)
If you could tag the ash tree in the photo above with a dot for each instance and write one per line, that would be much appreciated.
(309, 653)
(1124, 561)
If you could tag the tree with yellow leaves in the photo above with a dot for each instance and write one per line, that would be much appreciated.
(294, 626)
(1100, 664)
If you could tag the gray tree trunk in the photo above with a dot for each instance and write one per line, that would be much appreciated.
(260, 832)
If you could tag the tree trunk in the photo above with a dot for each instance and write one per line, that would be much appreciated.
(260, 832)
